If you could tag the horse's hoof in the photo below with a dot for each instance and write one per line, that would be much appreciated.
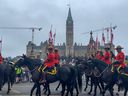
(84, 89)
(56, 89)
(89, 93)
(8, 92)
(44, 93)
(117, 94)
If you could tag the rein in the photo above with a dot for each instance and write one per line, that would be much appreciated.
(101, 72)
(88, 74)
(34, 69)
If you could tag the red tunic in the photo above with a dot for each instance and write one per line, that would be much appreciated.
(57, 57)
(1, 59)
(98, 56)
(50, 61)
(121, 58)
(106, 57)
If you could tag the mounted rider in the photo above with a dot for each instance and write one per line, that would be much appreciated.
(49, 63)
(107, 55)
(99, 55)
(120, 58)
(57, 58)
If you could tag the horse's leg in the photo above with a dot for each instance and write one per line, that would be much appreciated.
(58, 86)
(125, 92)
(87, 80)
(8, 85)
(63, 89)
(111, 91)
(68, 90)
(100, 88)
(77, 91)
(45, 88)
(71, 90)
(49, 92)
(38, 93)
(91, 87)
(95, 90)
(33, 88)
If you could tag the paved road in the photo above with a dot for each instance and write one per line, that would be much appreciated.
(23, 89)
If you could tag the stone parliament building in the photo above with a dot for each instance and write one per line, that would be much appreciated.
(66, 49)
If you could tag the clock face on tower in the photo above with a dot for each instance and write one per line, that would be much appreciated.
(69, 22)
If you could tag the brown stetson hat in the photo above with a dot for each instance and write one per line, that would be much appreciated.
(119, 47)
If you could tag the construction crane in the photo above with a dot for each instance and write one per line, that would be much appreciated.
(25, 28)
(103, 29)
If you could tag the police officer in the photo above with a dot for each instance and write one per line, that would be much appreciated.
(49, 64)
(120, 57)
(107, 55)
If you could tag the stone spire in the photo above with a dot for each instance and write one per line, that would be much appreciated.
(91, 38)
(69, 15)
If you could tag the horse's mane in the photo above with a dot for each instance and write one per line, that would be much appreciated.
(36, 62)
(99, 62)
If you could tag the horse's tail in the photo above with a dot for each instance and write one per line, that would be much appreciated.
(79, 78)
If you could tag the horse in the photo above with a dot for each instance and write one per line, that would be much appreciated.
(123, 81)
(89, 74)
(105, 71)
(65, 74)
(7, 75)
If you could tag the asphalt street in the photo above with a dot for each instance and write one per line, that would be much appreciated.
(23, 89)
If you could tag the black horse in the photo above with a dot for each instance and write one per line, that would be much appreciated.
(105, 71)
(123, 78)
(66, 75)
(7, 75)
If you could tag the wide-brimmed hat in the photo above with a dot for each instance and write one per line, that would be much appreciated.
(119, 47)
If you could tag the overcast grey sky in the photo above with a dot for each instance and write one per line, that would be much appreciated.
(87, 15)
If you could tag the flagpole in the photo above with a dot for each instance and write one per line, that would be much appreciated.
(54, 36)
(1, 45)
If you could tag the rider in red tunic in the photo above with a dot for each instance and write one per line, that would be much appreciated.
(57, 58)
(1, 59)
(120, 57)
(49, 64)
(107, 55)
(99, 55)
(50, 61)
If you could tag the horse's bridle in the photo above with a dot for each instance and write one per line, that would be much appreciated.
(101, 72)
(34, 69)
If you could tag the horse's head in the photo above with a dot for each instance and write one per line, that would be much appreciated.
(20, 62)
(83, 66)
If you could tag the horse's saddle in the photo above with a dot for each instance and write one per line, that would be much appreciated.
(124, 71)
(52, 71)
